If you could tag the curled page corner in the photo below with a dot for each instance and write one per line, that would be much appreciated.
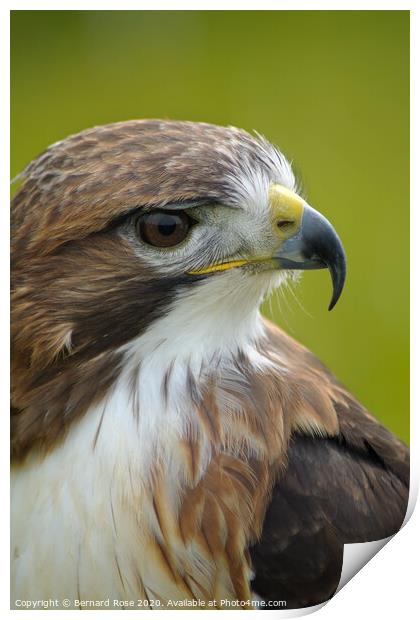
(356, 555)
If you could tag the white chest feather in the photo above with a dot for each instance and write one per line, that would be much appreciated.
(84, 518)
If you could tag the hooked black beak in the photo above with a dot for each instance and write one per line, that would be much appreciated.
(316, 245)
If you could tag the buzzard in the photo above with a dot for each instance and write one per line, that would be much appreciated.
(170, 446)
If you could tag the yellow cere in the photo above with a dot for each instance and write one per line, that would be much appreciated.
(287, 209)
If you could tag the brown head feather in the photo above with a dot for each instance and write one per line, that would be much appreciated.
(80, 185)
(79, 291)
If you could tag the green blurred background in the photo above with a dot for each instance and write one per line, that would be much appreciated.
(331, 88)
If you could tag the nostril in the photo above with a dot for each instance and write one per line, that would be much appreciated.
(284, 223)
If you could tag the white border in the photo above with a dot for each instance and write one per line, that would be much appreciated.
(247, 5)
(388, 584)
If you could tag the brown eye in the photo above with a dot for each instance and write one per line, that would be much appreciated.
(163, 229)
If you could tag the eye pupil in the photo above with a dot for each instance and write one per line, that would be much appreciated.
(163, 229)
(167, 229)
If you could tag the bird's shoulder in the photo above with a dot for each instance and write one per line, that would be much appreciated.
(358, 430)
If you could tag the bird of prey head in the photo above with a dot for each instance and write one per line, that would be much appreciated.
(148, 392)
(155, 217)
